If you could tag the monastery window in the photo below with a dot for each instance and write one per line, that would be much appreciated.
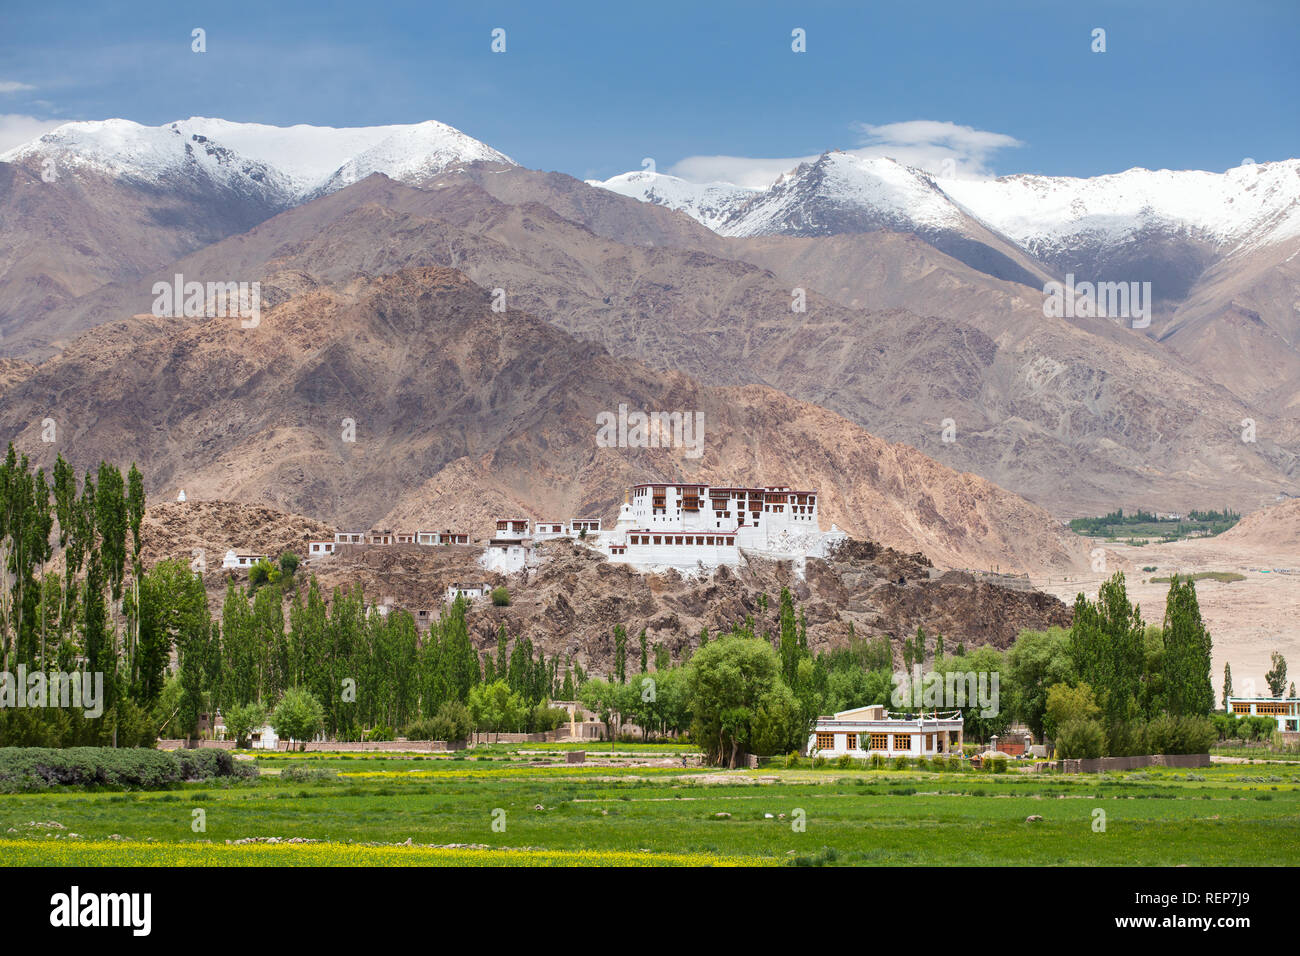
(825, 741)
(902, 741)
(851, 741)
(1271, 708)
(657, 539)
(880, 741)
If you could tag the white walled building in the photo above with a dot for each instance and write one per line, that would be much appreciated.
(867, 730)
(470, 592)
(693, 527)
(512, 528)
(507, 556)
(244, 561)
(1285, 710)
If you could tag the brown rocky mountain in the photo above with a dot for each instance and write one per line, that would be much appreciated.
(64, 238)
(1077, 415)
(460, 414)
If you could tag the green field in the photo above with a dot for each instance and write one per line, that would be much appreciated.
(661, 815)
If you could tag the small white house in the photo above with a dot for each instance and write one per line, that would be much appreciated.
(514, 528)
(317, 549)
(548, 530)
(349, 537)
(867, 730)
(470, 592)
(507, 556)
(235, 560)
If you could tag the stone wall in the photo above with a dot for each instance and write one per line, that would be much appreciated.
(1103, 764)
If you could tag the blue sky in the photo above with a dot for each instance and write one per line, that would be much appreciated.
(592, 88)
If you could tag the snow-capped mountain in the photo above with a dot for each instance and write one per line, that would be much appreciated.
(1246, 205)
(710, 203)
(281, 165)
(1059, 221)
(841, 192)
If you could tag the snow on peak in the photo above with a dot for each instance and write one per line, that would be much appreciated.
(412, 154)
(1246, 204)
(842, 192)
(288, 163)
(709, 203)
(838, 192)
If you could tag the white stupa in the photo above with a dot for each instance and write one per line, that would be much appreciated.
(181, 496)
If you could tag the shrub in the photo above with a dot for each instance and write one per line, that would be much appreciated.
(900, 763)
(791, 760)
(453, 722)
(288, 563)
(501, 596)
(955, 762)
(1080, 738)
(380, 733)
(1180, 735)
(844, 762)
(24, 769)
(307, 774)
(878, 762)
(996, 765)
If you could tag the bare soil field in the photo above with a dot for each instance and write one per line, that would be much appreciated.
(1247, 619)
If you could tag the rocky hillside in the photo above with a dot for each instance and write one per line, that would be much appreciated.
(405, 400)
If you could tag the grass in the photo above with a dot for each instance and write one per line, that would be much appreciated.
(1220, 815)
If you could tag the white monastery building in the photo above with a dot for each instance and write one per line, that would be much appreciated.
(700, 527)
(867, 730)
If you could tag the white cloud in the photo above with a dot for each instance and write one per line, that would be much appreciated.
(16, 129)
(12, 86)
(930, 144)
(940, 148)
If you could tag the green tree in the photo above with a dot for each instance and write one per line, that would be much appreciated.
(620, 654)
(298, 716)
(1276, 676)
(1035, 662)
(1107, 648)
(242, 719)
(738, 700)
(1227, 683)
(1187, 688)
(1066, 704)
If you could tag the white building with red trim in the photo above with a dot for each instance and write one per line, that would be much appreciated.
(691, 527)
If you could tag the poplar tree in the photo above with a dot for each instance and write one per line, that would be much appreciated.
(1188, 690)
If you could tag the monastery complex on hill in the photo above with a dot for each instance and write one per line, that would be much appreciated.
(689, 528)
